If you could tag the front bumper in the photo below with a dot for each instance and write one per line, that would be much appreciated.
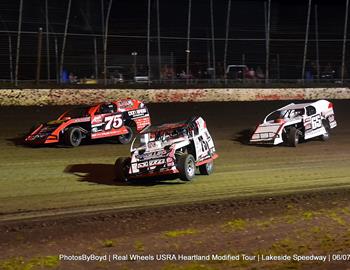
(152, 174)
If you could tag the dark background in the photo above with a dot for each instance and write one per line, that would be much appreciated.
(128, 30)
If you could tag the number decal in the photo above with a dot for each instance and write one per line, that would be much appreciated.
(151, 163)
(316, 121)
(113, 121)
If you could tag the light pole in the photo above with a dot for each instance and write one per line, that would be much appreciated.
(134, 54)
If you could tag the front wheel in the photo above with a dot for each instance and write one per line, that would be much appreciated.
(326, 136)
(207, 168)
(126, 138)
(121, 169)
(186, 166)
(73, 136)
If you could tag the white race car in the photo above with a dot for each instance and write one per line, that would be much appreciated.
(176, 148)
(296, 122)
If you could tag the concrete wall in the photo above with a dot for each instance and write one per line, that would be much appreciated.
(28, 97)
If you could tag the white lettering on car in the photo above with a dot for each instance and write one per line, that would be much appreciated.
(113, 121)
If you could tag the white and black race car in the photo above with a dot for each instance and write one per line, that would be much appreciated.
(296, 122)
(176, 148)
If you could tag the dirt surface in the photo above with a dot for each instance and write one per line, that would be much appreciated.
(282, 212)
(295, 225)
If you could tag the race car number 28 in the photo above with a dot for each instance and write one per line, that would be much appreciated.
(316, 121)
(113, 121)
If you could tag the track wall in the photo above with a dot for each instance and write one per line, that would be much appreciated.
(27, 97)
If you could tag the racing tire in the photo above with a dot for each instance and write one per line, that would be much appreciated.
(207, 168)
(293, 137)
(186, 165)
(73, 136)
(121, 168)
(126, 138)
(326, 136)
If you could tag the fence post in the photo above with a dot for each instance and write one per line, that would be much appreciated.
(213, 37)
(102, 16)
(278, 67)
(188, 50)
(344, 41)
(56, 62)
(243, 63)
(267, 24)
(18, 40)
(149, 42)
(64, 39)
(105, 42)
(208, 54)
(95, 59)
(173, 72)
(159, 48)
(47, 41)
(38, 63)
(10, 58)
(226, 38)
(306, 41)
(317, 46)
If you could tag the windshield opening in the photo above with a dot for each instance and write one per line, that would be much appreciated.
(285, 114)
(155, 139)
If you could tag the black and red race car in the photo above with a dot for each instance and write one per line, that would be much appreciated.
(118, 119)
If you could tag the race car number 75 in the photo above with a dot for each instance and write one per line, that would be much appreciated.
(113, 121)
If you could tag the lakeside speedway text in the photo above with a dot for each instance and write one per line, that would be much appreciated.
(210, 257)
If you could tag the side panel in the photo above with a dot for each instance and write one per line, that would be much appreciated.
(313, 126)
(268, 133)
(140, 117)
(204, 145)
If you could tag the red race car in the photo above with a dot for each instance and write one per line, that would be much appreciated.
(119, 119)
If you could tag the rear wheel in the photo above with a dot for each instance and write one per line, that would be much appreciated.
(326, 136)
(293, 137)
(186, 166)
(207, 168)
(73, 136)
(126, 138)
(121, 169)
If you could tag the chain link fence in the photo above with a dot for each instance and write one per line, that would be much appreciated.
(160, 58)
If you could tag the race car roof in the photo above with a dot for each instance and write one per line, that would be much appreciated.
(293, 106)
(164, 127)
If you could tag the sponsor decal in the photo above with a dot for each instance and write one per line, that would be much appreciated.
(331, 118)
(125, 103)
(84, 119)
(139, 112)
(151, 155)
(97, 119)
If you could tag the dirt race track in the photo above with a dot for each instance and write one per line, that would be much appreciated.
(255, 194)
